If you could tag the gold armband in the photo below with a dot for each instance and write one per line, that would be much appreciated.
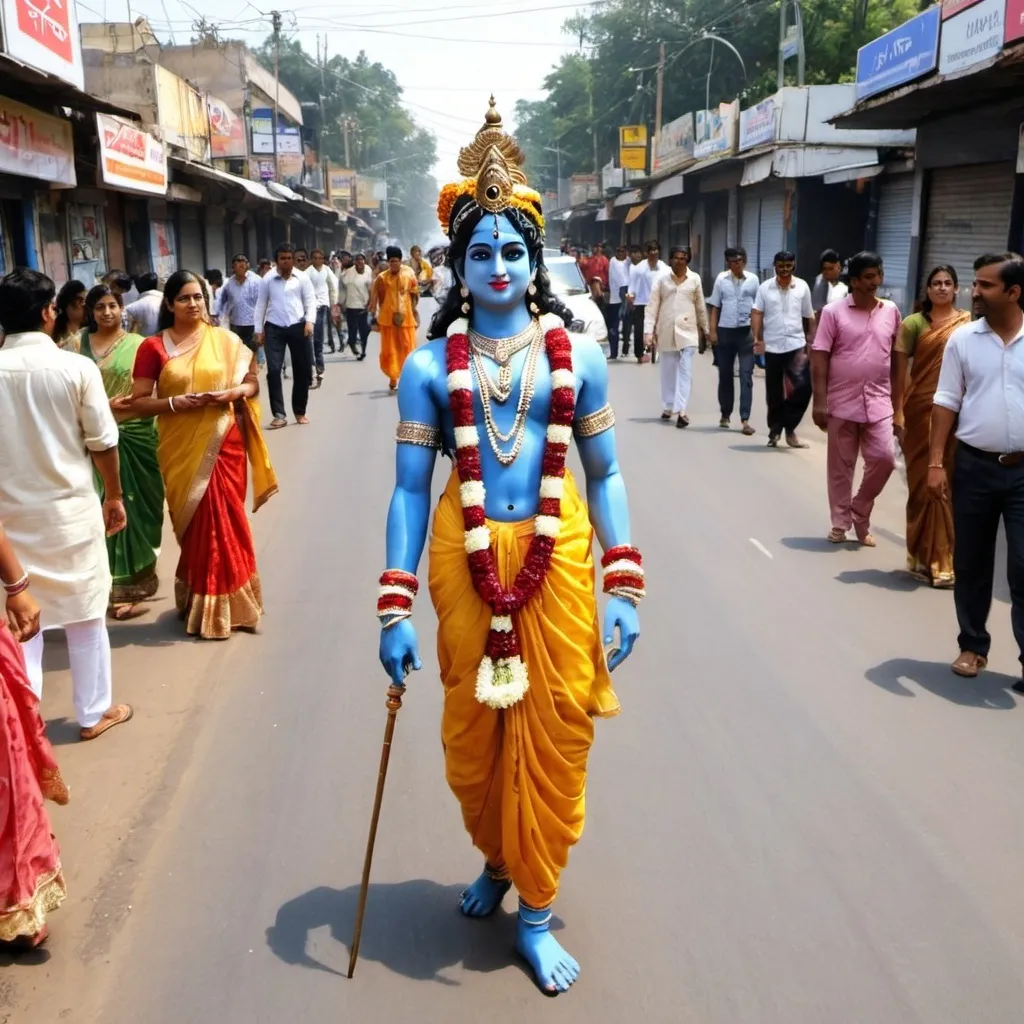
(595, 422)
(410, 432)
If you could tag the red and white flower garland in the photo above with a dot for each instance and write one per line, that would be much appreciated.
(502, 679)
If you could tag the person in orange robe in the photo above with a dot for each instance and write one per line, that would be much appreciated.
(394, 300)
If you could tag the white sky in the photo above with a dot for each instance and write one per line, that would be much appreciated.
(448, 55)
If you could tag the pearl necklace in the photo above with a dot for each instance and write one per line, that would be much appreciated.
(501, 351)
(517, 433)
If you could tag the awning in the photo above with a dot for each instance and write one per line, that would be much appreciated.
(320, 208)
(254, 188)
(628, 198)
(358, 223)
(604, 214)
(284, 192)
(757, 169)
(849, 162)
(636, 212)
(668, 187)
(852, 174)
(35, 88)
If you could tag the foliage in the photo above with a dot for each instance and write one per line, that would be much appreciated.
(366, 95)
(619, 54)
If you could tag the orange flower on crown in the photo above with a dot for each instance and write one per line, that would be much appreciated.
(492, 166)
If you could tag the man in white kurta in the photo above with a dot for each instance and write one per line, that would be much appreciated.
(56, 424)
(675, 318)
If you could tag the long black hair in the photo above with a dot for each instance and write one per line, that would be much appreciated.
(925, 303)
(544, 299)
(175, 283)
(97, 292)
(68, 293)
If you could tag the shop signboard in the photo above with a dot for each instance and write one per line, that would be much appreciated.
(366, 198)
(582, 188)
(44, 35)
(184, 118)
(130, 159)
(757, 125)
(951, 7)
(227, 131)
(289, 139)
(35, 145)
(633, 146)
(972, 36)
(340, 185)
(673, 145)
(716, 130)
(900, 56)
(1014, 21)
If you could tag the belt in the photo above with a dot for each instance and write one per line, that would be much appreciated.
(1003, 458)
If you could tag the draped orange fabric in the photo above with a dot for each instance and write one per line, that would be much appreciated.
(396, 344)
(520, 774)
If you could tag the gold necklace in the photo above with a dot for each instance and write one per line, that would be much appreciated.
(517, 434)
(501, 351)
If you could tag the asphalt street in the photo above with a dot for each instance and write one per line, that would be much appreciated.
(800, 816)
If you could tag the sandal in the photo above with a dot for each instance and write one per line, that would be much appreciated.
(125, 612)
(117, 715)
(302, 420)
(748, 430)
(682, 421)
(666, 415)
(836, 536)
(277, 423)
(794, 442)
(867, 541)
(968, 664)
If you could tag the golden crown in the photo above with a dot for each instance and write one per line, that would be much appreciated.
(493, 167)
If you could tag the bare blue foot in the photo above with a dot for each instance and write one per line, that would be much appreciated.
(484, 896)
(554, 969)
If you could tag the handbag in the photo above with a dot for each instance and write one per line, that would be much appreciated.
(398, 317)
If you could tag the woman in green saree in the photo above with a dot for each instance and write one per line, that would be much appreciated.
(133, 552)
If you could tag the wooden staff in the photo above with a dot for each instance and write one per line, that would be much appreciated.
(394, 702)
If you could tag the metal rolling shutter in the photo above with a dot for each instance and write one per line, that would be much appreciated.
(968, 214)
(191, 243)
(895, 207)
(216, 254)
(750, 223)
(716, 257)
(773, 228)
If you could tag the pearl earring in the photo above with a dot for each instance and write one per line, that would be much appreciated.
(532, 289)
(464, 292)
(533, 309)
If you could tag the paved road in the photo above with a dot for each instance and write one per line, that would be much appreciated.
(801, 815)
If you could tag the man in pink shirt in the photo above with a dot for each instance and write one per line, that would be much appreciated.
(851, 371)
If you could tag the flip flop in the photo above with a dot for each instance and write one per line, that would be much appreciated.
(117, 715)
(277, 424)
(794, 442)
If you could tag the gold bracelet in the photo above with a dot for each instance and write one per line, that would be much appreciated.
(595, 422)
(410, 432)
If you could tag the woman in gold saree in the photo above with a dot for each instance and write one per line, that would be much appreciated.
(921, 343)
(200, 382)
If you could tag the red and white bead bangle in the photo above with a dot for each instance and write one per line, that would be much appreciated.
(397, 591)
(17, 587)
(624, 573)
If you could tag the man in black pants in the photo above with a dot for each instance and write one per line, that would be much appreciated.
(356, 282)
(981, 392)
(284, 320)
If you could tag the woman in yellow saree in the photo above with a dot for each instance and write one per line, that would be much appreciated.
(201, 383)
(920, 345)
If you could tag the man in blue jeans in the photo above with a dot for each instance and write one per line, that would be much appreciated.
(732, 299)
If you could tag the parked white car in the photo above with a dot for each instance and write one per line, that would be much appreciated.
(568, 284)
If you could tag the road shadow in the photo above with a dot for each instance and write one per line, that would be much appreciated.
(756, 449)
(990, 691)
(651, 419)
(61, 732)
(887, 579)
(817, 544)
(412, 928)
(161, 630)
(11, 955)
(381, 393)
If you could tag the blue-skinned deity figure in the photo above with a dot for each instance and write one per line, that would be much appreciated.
(523, 677)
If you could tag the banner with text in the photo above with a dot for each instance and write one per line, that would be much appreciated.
(35, 144)
(716, 130)
(757, 125)
(674, 145)
(44, 35)
(130, 159)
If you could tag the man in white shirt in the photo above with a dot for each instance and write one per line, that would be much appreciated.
(731, 302)
(642, 277)
(325, 288)
(144, 312)
(782, 320)
(674, 321)
(828, 287)
(356, 283)
(618, 286)
(236, 302)
(284, 320)
(57, 427)
(981, 393)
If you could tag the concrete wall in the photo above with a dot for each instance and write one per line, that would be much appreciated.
(123, 82)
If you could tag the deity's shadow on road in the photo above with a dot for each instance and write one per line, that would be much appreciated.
(413, 928)
(383, 393)
(990, 691)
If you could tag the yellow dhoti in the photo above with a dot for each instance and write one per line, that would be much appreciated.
(520, 774)
(396, 344)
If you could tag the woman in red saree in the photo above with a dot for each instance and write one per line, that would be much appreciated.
(31, 882)
(201, 383)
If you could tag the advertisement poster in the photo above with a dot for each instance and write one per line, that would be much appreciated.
(715, 130)
(340, 183)
(227, 131)
(44, 35)
(971, 37)
(365, 197)
(633, 147)
(161, 248)
(757, 125)
(35, 144)
(131, 159)
(674, 145)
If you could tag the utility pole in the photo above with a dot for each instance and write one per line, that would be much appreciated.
(348, 159)
(798, 25)
(275, 18)
(659, 93)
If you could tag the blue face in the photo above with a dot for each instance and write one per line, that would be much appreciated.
(497, 271)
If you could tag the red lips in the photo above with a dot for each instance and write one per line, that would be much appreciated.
(499, 286)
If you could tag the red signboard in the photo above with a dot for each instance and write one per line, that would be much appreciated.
(46, 21)
(1014, 21)
(44, 35)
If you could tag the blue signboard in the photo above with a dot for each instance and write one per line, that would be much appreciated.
(900, 56)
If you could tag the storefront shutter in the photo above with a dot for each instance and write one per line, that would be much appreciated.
(895, 206)
(716, 257)
(773, 230)
(968, 215)
(750, 224)
(191, 240)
